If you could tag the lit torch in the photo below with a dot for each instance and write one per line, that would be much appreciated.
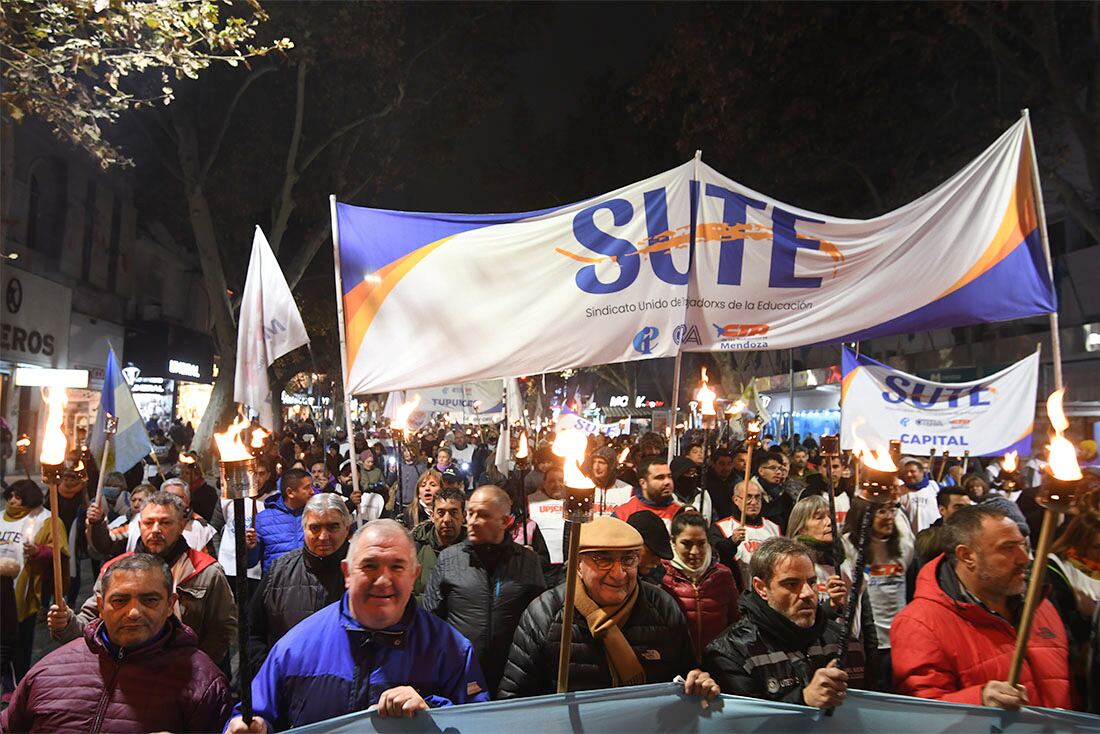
(238, 475)
(705, 397)
(879, 479)
(52, 459)
(523, 452)
(1009, 477)
(398, 425)
(576, 509)
(752, 433)
(22, 446)
(1056, 496)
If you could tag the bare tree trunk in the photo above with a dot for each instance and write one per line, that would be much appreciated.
(206, 241)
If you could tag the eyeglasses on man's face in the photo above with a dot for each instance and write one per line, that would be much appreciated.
(604, 561)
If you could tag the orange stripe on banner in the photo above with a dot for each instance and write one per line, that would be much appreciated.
(362, 302)
(846, 382)
(1019, 221)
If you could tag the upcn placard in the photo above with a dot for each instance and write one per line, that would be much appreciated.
(687, 260)
(985, 417)
(34, 328)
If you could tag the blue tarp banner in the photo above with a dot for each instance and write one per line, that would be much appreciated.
(661, 707)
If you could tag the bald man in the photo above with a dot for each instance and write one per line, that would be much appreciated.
(374, 647)
(482, 585)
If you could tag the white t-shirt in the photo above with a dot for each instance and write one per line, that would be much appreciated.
(885, 583)
(920, 506)
(227, 547)
(13, 533)
(607, 500)
(754, 536)
(546, 513)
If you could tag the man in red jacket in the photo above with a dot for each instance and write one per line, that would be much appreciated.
(954, 641)
(137, 668)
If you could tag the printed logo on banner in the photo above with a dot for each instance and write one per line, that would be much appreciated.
(643, 340)
(662, 239)
(684, 333)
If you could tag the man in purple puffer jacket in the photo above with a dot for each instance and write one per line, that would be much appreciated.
(136, 670)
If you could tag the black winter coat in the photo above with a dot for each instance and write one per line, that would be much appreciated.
(764, 655)
(482, 592)
(295, 586)
(656, 631)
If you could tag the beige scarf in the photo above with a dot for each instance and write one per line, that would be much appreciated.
(604, 624)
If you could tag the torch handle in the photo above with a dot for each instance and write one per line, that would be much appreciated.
(838, 546)
(745, 485)
(1031, 601)
(242, 611)
(857, 585)
(702, 484)
(56, 532)
(567, 611)
(102, 473)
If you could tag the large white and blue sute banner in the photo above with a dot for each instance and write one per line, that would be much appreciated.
(687, 260)
(986, 417)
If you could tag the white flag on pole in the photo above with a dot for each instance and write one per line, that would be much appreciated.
(503, 457)
(269, 327)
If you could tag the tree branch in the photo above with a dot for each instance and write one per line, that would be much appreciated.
(285, 200)
(248, 80)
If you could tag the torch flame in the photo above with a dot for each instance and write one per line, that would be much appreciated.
(753, 427)
(53, 439)
(879, 459)
(401, 422)
(186, 459)
(230, 444)
(23, 443)
(705, 396)
(624, 454)
(1062, 456)
(571, 446)
(259, 435)
(522, 450)
(1011, 461)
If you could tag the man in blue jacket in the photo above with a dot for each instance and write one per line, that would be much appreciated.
(374, 647)
(278, 529)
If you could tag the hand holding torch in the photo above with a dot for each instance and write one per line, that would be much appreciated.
(1056, 496)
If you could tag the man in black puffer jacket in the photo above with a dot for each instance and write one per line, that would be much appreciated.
(482, 585)
(784, 647)
(624, 633)
(302, 581)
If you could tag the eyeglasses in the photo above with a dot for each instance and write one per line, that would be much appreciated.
(771, 467)
(886, 510)
(604, 562)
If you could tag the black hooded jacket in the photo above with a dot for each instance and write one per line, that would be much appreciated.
(765, 655)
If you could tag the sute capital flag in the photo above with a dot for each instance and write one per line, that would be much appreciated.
(986, 417)
(269, 327)
(130, 443)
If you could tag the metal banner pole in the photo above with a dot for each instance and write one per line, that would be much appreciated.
(344, 352)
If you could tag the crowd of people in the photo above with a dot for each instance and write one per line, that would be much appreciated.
(440, 580)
